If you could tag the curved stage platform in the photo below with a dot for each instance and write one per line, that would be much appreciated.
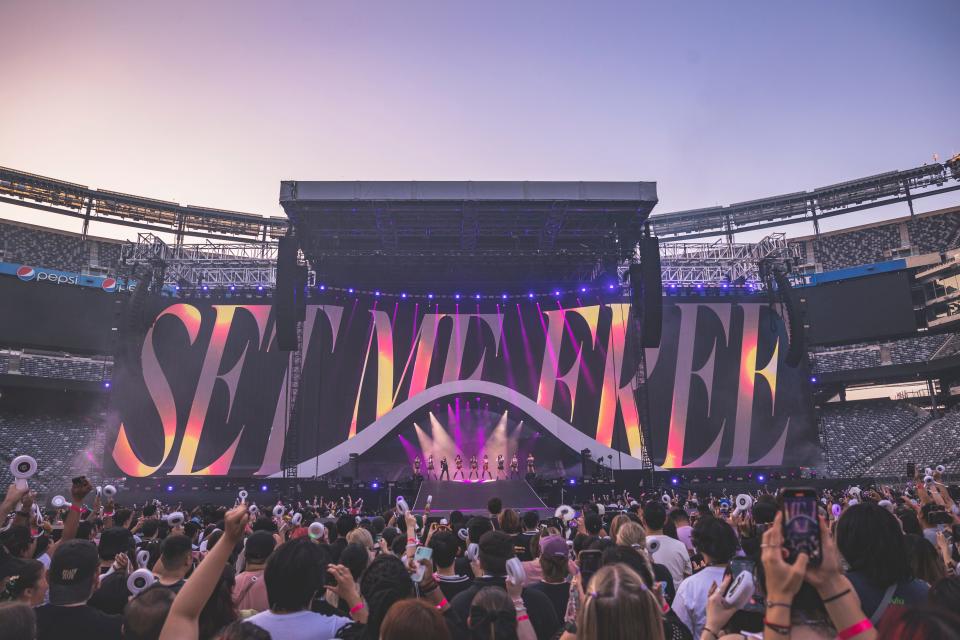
(472, 497)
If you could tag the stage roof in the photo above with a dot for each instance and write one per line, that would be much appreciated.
(438, 236)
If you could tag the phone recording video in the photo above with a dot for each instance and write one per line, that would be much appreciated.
(801, 526)
(589, 565)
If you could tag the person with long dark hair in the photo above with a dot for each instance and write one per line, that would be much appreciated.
(870, 540)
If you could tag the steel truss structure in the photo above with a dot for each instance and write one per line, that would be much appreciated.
(58, 196)
(209, 264)
(250, 266)
(686, 263)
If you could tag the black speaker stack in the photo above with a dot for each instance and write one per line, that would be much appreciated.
(289, 299)
(647, 291)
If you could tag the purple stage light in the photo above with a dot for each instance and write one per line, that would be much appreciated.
(504, 296)
(323, 287)
(106, 385)
(403, 295)
(583, 289)
(430, 296)
(206, 288)
(610, 286)
(169, 487)
(456, 296)
(263, 487)
(477, 296)
(572, 481)
(674, 480)
(813, 379)
(376, 293)
(556, 293)
(232, 288)
(374, 485)
(350, 290)
(761, 478)
(260, 287)
(530, 295)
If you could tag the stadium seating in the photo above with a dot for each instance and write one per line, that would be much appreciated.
(65, 446)
(851, 248)
(55, 250)
(903, 351)
(854, 431)
(862, 357)
(938, 443)
(934, 234)
(59, 366)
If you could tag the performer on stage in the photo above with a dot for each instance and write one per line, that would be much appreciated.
(416, 466)
(459, 472)
(500, 473)
(473, 468)
(486, 467)
(430, 470)
(444, 467)
(515, 467)
(531, 469)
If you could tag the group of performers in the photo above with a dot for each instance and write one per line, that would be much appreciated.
(475, 472)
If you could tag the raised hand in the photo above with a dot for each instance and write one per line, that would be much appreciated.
(234, 523)
(783, 579)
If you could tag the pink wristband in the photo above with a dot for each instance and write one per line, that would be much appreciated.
(442, 604)
(356, 607)
(855, 629)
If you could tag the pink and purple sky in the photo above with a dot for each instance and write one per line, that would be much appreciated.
(214, 103)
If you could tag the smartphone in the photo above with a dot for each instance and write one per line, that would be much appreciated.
(801, 527)
(738, 565)
(589, 565)
(422, 553)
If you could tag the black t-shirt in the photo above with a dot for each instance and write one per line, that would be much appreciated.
(77, 623)
(558, 594)
(542, 616)
(112, 595)
(453, 585)
(521, 545)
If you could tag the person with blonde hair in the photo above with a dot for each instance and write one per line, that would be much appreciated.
(630, 534)
(617, 605)
(365, 539)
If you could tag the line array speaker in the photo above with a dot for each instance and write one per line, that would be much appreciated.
(285, 294)
(647, 291)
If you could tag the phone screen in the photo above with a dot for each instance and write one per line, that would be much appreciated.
(801, 527)
(740, 565)
(423, 553)
(589, 565)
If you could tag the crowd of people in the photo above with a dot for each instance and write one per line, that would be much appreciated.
(659, 565)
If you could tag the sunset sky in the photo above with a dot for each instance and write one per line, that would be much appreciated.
(214, 103)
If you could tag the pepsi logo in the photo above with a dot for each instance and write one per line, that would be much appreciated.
(26, 273)
(109, 284)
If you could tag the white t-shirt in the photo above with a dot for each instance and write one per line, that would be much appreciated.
(672, 554)
(690, 603)
(302, 625)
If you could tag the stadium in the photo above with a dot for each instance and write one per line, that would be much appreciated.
(866, 314)
(479, 321)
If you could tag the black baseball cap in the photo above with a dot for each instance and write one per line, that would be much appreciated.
(260, 545)
(72, 571)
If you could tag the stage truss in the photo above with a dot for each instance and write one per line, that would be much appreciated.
(247, 266)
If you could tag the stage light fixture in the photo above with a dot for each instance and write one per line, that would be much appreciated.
(206, 288)
(556, 293)
(169, 488)
(403, 295)
(376, 293)
(610, 286)
(761, 478)
(374, 485)
(106, 385)
(583, 289)
(813, 379)
(323, 287)
(350, 290)
(674, 480)
(572, 481)
(504, 296)
(430, 296)
(260, 287)
(232, 288)
(530, 295)
(477, 296)
(263, 487)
